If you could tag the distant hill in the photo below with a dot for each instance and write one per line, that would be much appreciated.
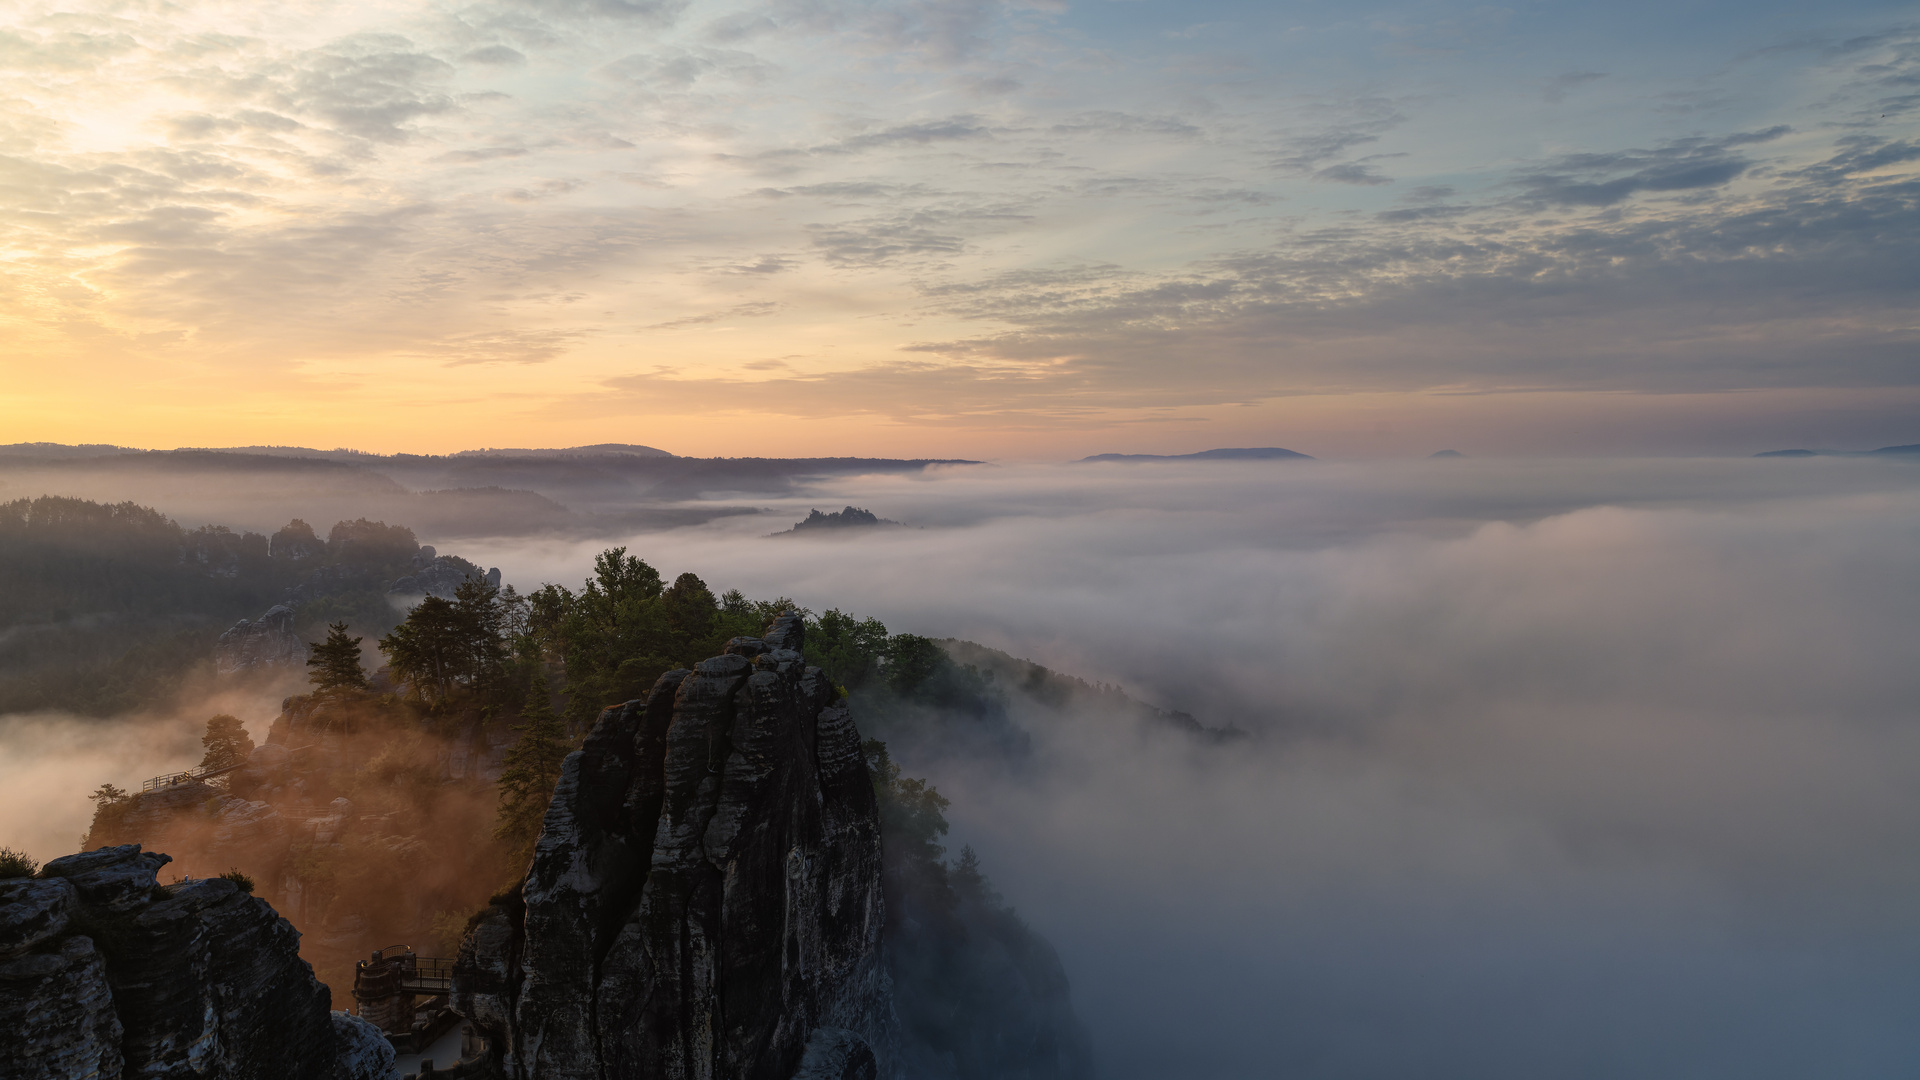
(1909, 450)
(1244, 453)
(60, 451)
(596, 450)
(1445, 454)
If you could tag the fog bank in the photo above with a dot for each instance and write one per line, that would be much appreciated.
(1562, 769)
(1558, 769)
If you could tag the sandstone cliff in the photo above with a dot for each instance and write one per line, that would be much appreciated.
(105, 973)
(705, 897)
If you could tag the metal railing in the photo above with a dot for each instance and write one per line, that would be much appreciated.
(201, 772)
(198, 772)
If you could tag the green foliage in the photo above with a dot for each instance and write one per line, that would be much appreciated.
(227, 742)
(16, 864)
(466, 643)
(370, 543)
(911, 661)
(107, 607)
(912, 812)
(890, 670)
(623, 629)
(532, 769)
(850, 651)
(336, 661)
(234, 875)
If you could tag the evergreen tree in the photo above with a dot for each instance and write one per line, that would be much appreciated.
(110, 806)
(428, 650)
(532, 769)
(336, 661)
(107, 795)
(227, 742)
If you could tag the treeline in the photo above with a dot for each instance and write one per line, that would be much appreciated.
(110, 607)
(493, 654)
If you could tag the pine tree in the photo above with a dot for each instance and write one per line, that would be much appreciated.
(336, 661)
(532, 769)
(227, 742)
(429, 650)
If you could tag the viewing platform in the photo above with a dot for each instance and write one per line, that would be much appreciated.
(405, 995)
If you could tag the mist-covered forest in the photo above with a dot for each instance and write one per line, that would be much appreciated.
(429, 738)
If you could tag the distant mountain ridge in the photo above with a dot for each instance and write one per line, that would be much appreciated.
(1240, 453)
(1909, 450)
(606, 489)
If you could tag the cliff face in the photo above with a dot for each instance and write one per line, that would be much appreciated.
(104, 973)
(705, 897)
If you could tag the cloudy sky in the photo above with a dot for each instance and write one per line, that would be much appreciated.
(984, 228)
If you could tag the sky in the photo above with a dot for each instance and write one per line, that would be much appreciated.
(1006, 229)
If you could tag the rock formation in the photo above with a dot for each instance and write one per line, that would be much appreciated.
(850, 518)
(268, 641)
(440, 576)
(104, 973)
(704, 900)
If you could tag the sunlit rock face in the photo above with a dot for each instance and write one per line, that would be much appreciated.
(106, 973)
(704, 900)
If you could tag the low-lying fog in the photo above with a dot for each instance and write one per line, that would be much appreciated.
(1560, 769)
(1566, 769)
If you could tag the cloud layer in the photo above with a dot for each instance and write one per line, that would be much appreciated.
(410, 222)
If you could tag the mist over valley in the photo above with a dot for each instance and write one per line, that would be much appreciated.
(1471, 767)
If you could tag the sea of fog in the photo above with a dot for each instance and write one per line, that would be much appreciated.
(1558, 769)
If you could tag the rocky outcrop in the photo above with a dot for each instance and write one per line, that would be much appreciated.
(850, 518)
(704, 900)
(105, 973)
(440, 576)
(268, 641)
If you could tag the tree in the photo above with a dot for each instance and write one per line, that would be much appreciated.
(849, 650)
(336, 661)
(227, 742)
(427, 650)
(912, 817)
(107, 795)
(691, 609)
(467, 641)
(532, 769)
(912, 660)
(110, 806)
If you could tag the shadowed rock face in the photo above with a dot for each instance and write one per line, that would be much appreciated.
(704, 900)
(104, 973)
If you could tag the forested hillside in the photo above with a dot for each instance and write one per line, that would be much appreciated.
(107, 608)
